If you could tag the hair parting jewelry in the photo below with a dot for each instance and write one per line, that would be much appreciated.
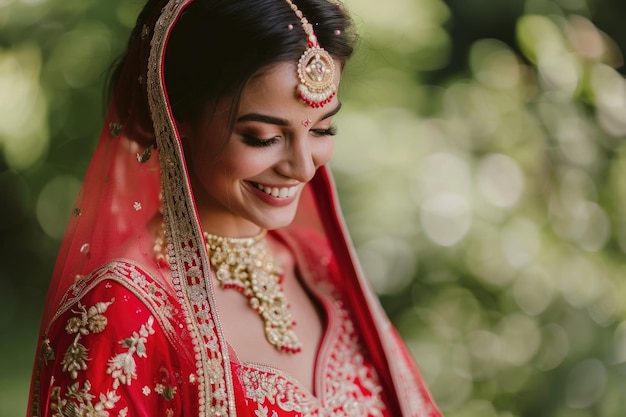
(316, 68)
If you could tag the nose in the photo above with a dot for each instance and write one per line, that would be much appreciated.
(299, 160)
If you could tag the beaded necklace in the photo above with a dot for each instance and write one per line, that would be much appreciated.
(247, 265)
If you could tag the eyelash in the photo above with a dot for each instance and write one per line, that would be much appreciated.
(263, 143)
(259, 143)
(331, 131)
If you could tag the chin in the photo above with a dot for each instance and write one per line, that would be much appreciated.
(276, 222)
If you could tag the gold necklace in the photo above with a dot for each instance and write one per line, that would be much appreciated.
(247, 265)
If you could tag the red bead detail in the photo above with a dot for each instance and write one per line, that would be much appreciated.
(317, 104)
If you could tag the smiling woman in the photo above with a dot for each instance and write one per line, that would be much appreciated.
(206, 269)
(257, 173)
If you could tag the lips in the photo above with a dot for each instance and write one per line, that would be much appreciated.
(278, 192)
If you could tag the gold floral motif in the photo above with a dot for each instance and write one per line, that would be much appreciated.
(263, 412)
(57, 403)
(73, 325)
(265, 387)
(75, 359)
(89, 321)
(79, 401)
(83, 405)
(122, 367)
(97, 323)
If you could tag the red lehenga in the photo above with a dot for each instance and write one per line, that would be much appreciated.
(124, 334)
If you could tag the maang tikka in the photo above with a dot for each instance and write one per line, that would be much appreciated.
(316, 68)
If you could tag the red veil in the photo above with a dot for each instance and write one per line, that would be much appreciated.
(124, 189)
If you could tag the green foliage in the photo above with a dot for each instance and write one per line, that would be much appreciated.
(480, 163)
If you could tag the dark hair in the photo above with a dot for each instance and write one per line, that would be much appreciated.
(217, 46)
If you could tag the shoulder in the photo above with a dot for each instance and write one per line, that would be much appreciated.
(121, 289)
(111, 344)
(124, 278)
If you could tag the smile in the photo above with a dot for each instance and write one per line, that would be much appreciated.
(282, 192)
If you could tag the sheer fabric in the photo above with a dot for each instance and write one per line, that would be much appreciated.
(165, 350)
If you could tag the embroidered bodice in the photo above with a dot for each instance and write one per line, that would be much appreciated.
(346, 384)
(118, 347)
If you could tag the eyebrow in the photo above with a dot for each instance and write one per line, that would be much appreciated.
(263, 118)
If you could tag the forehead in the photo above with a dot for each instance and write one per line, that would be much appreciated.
(275, 91)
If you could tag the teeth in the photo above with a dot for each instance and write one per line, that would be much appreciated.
(284, 192)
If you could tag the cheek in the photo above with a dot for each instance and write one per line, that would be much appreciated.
(241, 162)
(323, 152)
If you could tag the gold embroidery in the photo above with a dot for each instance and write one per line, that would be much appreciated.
(79, 400)
(265, 387)
(90, 321)
(215, 394)
(352, 389)
(75, 359)
(57, 404)
(348, 363)
(122, 367)
(151, 294)
(83, 401)
(263, 412)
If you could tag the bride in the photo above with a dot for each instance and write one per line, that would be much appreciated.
(206, 269)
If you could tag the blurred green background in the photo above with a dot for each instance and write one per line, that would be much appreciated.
(481, 162)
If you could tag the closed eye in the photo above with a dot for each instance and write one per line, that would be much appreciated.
(331, 131)
(259, 143)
